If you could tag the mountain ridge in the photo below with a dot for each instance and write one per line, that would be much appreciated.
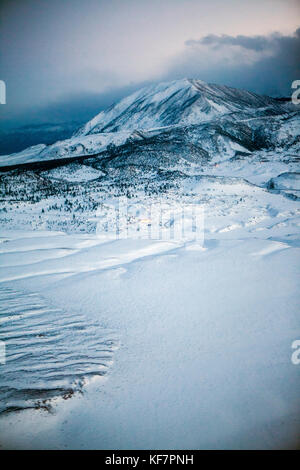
(214, 118)
(178, 102)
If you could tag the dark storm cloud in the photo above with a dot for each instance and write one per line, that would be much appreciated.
(256, 43)
(57, 120)
(274, 42)
(265, 64)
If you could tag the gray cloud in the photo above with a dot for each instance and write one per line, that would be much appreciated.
(256, 43)
(265, 64)
(57, 120)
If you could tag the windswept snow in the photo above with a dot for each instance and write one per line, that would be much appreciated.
(204, 331)
(50, 354)
(205, 346)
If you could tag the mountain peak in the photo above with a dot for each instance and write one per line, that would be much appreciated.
(179, 102)
(174, 108)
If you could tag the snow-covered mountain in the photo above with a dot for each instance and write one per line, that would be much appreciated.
(92, 259)
(199, 119)
(180, 102)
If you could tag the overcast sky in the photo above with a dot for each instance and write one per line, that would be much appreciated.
(62, 52)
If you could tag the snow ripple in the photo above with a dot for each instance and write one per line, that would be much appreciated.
(49, 353)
